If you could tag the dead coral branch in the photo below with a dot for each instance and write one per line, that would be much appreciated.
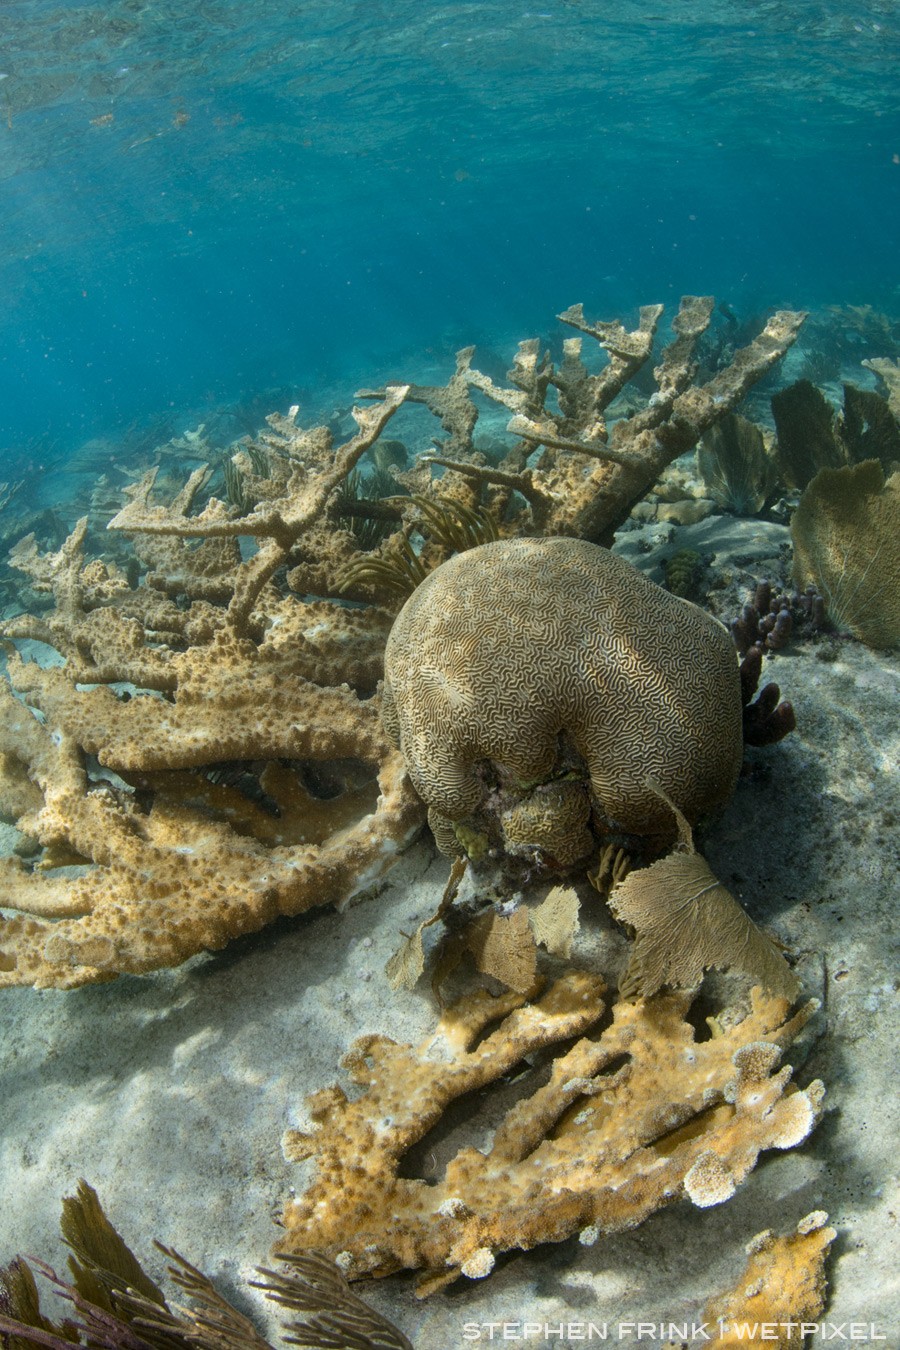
(312, 472)
(597, 1148)
(588, 476)
(164, 877)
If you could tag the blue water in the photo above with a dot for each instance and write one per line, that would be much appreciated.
(213, 202)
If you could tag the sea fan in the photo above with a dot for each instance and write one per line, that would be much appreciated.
(736, 466)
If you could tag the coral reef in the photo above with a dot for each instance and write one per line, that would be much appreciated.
(682, 572)
(211, 754)
(536, 683)
(846, 535)
(766, 719)
(628, 1121)
(834, 338)
(117, 1305)
(228, 679)
(765, 626)
(203, 682)
(579, 465)
(767, 620)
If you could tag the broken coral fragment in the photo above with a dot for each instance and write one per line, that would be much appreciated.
(628, 1121)
(781, 1288)
(846, 535)
(574, 679)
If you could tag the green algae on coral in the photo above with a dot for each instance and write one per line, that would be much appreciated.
(682, 571)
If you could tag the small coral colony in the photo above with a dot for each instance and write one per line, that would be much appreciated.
(262, 696)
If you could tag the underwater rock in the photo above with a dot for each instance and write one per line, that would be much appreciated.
(680, 513)
(546, 670)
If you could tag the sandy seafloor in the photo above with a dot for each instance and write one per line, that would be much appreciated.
(171, 1093)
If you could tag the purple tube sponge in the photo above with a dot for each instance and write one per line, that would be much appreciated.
(766, 720)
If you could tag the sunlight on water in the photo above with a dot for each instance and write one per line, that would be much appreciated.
(203, 203)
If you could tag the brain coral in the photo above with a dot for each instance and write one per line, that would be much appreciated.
(530, 662)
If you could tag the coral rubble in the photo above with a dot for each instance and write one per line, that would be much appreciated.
(628, 1121)
(781, 1293)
